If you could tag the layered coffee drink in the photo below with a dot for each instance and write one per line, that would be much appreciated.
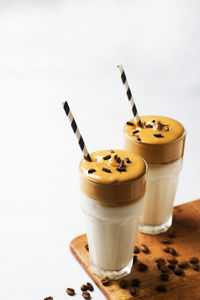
(160, 141)
(113, 187)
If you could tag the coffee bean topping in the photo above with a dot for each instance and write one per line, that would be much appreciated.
(160, 261)
(164, 269)
(48, 298)
(145, 249)
(158, 135)
(173, 252)
(106, 281)
(142, 267)
(137, 137)
(166, 249)
(106, 170)
(84, 288)
(135, 282)
(127, 160)
(90, 287)
(135, 131)
(121, 169)
(135, 258)
(107, 157)
(171, 266)
(196, 267)
(70, 292)
(178, 271)
(166, 242)
(123, 284)
(161, 288)
(112, 151)
(164, 276)
(87, 247)
(194, 260)
(172, 261)
(133, 291)
(130, 123)
(117, 158)
(136, 249)
(183, 265)
(90, 171)
(149, 126)
(86, 295)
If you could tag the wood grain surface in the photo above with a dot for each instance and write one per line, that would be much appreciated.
(186, 224)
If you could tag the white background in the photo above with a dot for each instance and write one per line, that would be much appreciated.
(56, 50)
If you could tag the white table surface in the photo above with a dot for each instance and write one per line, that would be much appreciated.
(56, 50)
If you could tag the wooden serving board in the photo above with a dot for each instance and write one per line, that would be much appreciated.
(186, 223)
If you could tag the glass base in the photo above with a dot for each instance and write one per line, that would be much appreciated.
(113, 274)
(149, 229)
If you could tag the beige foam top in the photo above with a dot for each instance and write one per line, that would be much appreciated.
(159, 139)
(114, 177)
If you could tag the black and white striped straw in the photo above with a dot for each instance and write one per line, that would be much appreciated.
(76, 131)
(129, 95)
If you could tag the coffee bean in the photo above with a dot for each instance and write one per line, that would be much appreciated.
(112, 151)
(171, 266)
(106, 170)
(90, 171)
(87, 247)
(127, 160)
(166, 249)
(48, 298)
(178, 271)
(117, 158)
(144, 249)
(142, 267)
(161, 288)
(107, 157)
(183, 265)
(166, 242)
(172, 261)
(135, 131)
(90, 286)
(106, 281)
(86, 295)
(171, 233)
(173, 252)
(133, 291)
(135, 282)
(135, 258)
(130, 123)
(84, 288)
(70, 292)
(123, 284)
(164, 269)
(121, 169)
(136, 249)
(164, 276)
(194, 260)
(160, 261)
(196, 267)
(159, 135)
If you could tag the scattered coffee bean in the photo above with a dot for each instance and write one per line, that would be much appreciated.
(145, 249)
(183, 265)
(123, 284)
(153, 121)
(127, 160)
(106, 281)
(112, 151)
(164, 276)
(70, 292)
(135, 131)
(135, 259)
(196, 267)
(160, 261)
(194, 260)
(84, 288)
(178, 271)
(90, 287)
(130, 123)
(142, 267)
(173, 252)
(172, 261)
(149, 126)
(137, 137)
(48, 298)
(171, 233)
(135, 282)
(164, 269)
(106, 170)
(166, 249)
(86, 295)
(107, 157)
(159, 135)
(136, 249)
(122, 169)
(87, 247)
(166, 242)
(117, 158)
(161, 288)
(133, 291)
(171, 266)
(90, 171)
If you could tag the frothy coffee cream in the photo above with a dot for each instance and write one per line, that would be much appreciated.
(113, 178)
(157, 139)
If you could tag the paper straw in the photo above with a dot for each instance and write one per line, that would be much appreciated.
(129, 95)
(76, 131)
